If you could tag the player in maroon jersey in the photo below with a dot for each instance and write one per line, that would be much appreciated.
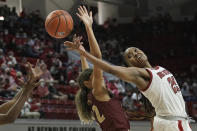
(93, 100)
(10, 110)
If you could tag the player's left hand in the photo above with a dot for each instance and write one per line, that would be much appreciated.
(33, 75)
(76, 45)
(85, 16)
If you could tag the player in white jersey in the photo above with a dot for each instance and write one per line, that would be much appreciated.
(165, 96)
(157, 84)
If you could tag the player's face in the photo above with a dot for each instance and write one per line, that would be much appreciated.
(135, 57)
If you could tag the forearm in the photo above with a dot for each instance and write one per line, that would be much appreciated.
(95, 51)
(125, 74)
(14, 111)
(18, 94)
(16, 108)
(152, 127)
(6, 106)
(94, 47)
(98, 62)
(84, 63)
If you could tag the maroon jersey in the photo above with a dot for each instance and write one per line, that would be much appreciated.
(109, 114)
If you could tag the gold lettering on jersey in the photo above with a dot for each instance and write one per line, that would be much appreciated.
(99, 117)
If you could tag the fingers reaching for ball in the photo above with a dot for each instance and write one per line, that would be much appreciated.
(77, 39)
(85, 16)
(75, 45)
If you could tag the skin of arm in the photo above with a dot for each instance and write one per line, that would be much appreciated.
(6, 106)
(32, 77)
(94, 47)
(84, 63)
(99, 90)
(152, 128)
(14, 111)
(138, 76)
(88, 20)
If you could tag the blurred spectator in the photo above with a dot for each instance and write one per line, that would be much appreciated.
(2, 57)
(185, 89)
(42, 90)
(119, 85)
(73, 73)
(74, 88)
(27, 111)
(194, 87)
(2, 43)
(19, 76)
(47, 91)
(55, 94)
(112, 87)
(56, 69)
(106, 24)
(128, 102)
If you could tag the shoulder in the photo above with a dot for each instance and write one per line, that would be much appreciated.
(140, 76)
(101, 95)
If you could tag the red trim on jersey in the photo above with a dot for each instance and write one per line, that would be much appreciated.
(151, 78)
(180, 125)
(156, 67)
(189, 125)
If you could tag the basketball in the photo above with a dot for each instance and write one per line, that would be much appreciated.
(59, 24)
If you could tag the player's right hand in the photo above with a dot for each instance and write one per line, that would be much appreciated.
(85, 16)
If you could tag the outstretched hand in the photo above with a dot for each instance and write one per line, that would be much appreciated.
(85, 16)
(76, 45)
(33, 75)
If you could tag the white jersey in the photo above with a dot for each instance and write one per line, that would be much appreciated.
(164, 93)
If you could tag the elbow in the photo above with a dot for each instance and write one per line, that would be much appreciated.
(98, 56)
(112, 70)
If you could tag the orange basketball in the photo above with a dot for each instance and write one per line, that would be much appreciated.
(59, 24)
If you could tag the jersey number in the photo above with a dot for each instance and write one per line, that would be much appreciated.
(173, 84)
(99, 117)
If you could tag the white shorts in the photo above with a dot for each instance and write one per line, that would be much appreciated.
(170, 125)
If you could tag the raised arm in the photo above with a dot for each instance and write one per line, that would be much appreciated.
(14, 111)
(88, 21)
(98, 81)
(84, 63)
